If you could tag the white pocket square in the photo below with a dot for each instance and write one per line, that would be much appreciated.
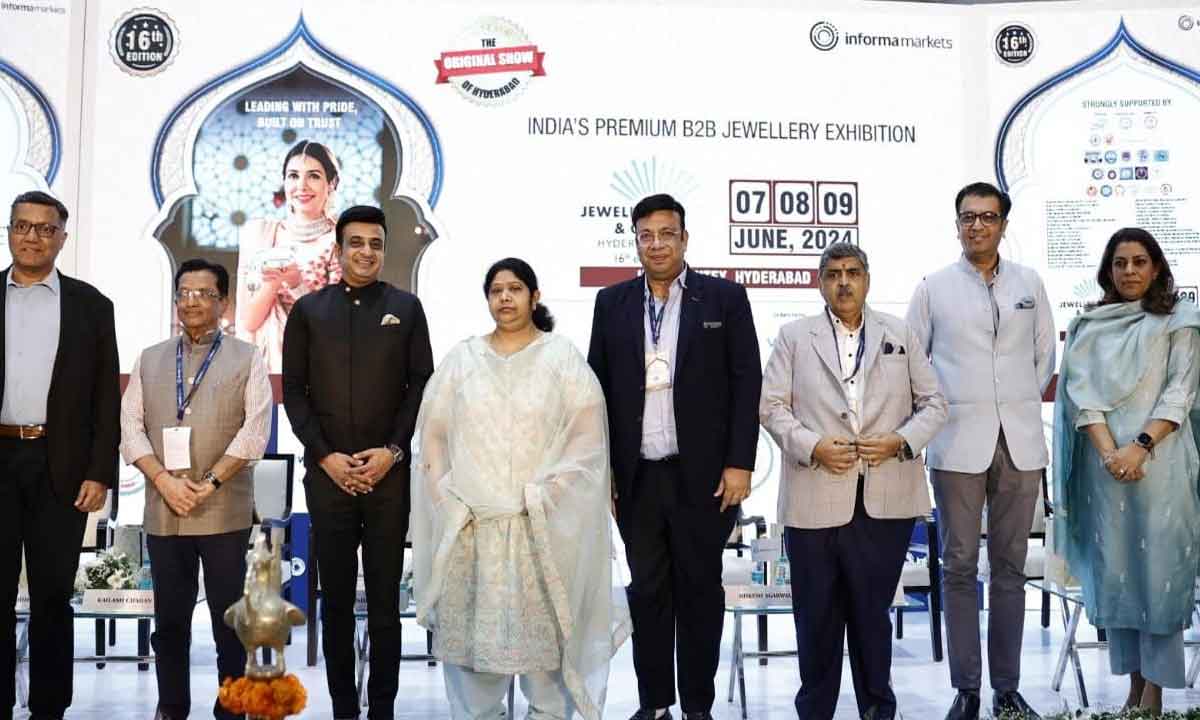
(389, 319)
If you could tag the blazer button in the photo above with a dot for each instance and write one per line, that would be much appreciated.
(845, 415)
(638, 418)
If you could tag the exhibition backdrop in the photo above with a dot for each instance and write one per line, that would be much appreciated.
(488, 130)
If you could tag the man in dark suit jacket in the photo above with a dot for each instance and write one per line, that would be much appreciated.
(677, 356)
(59, 430)
(356, 357)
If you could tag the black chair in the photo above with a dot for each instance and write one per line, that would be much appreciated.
(926, 582)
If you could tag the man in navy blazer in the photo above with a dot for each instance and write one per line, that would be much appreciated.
(60, 404)
(677, 356)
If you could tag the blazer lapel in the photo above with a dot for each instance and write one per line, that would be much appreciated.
(689, 314)
(634, 302)
(66, 327)
(3, 308)
(874, 341)
(825, 345)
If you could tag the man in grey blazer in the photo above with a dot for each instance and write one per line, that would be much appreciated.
(851, 401)
(987, 327)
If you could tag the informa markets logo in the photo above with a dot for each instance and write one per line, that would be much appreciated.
(825, 36)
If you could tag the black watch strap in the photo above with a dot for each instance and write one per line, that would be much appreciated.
(212, 479)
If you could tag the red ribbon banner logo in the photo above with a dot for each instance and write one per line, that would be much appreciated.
(522, 58)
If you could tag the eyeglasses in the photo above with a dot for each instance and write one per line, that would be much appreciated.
(967, 219)
(183, 294)
(43, 230)
(666, 236)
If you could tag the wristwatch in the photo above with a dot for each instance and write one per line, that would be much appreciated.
(905, 452)
(1145, 442)
(211, 478)
(396, 451)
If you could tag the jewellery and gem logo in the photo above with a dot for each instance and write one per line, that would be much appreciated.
(1015, 44)
(143, 42)
(495, 65)
(823, 35)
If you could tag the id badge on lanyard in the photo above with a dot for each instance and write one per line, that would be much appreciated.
(658, 362)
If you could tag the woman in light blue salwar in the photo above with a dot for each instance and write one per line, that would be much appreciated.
(1126, 463)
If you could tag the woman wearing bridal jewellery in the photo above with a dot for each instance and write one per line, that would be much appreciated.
(279, 261)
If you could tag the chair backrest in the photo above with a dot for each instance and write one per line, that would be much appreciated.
(272, 478)
(95, 532)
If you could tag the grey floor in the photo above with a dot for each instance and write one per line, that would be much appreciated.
(922, 686)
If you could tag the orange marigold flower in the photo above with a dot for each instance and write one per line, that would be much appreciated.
(275, 698)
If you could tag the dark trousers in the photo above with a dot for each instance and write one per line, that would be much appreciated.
(674, 546)
(843, 582)
(174, 565)
(50, 530)
(378, 521)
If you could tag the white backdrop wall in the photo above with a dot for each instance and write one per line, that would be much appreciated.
(779, 127)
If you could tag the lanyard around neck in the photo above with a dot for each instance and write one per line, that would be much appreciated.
(656, 316)
(182, 403)
(837, 349)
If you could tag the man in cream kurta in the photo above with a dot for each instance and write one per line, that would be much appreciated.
(199, 498)
(987, 327)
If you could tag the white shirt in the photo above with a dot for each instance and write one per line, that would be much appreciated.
(659, 438)
(848, 341)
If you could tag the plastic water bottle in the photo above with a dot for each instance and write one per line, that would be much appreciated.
(783, 571)
(759, 575)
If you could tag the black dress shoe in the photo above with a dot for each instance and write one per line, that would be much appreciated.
(877, 713)
(964, 707)
(701, 715)
(644, 714)
(1011, 706)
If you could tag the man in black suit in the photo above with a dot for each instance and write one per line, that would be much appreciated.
(677, 356)
(356, 357)
(59, 430)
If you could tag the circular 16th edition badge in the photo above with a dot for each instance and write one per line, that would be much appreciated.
(144, 41)
(1014, 44)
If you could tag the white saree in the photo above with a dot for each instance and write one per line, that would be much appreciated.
(510, 517)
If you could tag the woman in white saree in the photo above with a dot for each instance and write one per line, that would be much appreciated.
(510, 515)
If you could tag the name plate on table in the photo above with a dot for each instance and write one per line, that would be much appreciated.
(758, 595)
(768, 549)
(128, 602)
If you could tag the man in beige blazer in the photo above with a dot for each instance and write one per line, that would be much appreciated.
(852, 402)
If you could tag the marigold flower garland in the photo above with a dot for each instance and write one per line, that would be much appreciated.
(272, 699)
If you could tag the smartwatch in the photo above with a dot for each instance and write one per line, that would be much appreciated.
(1145, 442)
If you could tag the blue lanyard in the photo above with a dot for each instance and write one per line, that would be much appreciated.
(656, 317)
(182, 403)
(837, 347)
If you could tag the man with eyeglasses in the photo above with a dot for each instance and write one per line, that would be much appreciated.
(197, 410)
(59, 430)
(677, 357)
(987, 327)
(852, 402)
